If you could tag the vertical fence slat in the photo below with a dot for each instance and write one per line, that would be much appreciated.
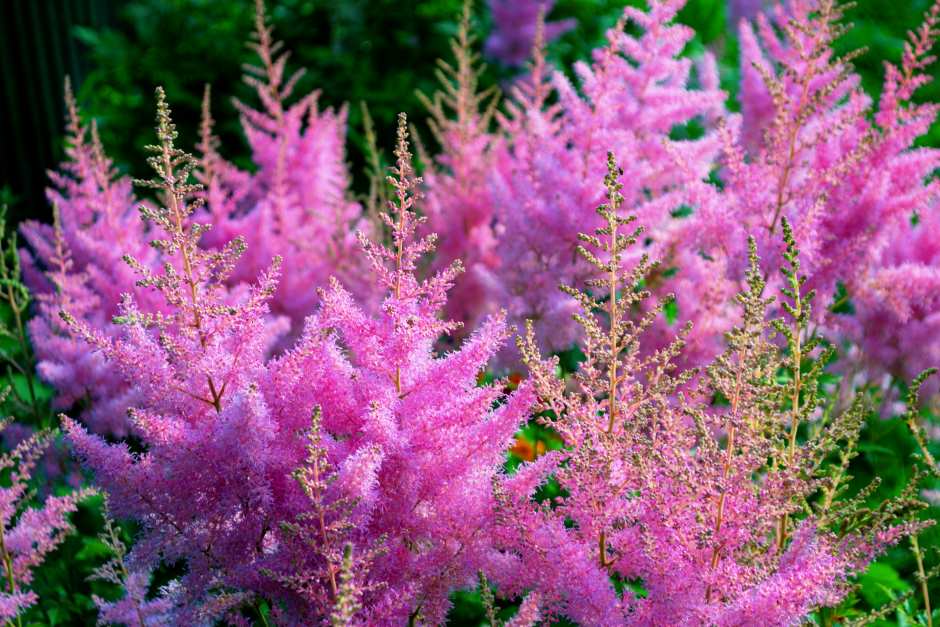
(38, 47)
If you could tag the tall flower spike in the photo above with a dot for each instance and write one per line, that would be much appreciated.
(195, 368)
(600, 417)
(324, 529)
(848, 182)
(896, 295)
(193, 290)
(395, 266)
(411, 439)
(296, 204)
(637, 97)
(400, 467)
(472, 109)
(347, 597)
(75, 264)
(458, 210)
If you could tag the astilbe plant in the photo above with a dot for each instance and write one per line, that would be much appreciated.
(808, 147)
(458, 210)
(723, 512)
(397, 465)
(28, 534)
(76, 263)
(897, 310)
(851, 180)
(553, 140)
(531, 150)
(410, 431)
(311, 451)
(296, 204)
(191, 370)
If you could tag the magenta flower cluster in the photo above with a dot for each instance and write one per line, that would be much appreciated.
(28, 534)
(290, 395)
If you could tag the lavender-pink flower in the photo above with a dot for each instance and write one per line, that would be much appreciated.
(700, 504)
(399, 461)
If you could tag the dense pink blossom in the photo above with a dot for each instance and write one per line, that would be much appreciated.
(76, 264)
(895, 315)
(632, 98)
(459, 211)
(296, 205)
(850, 183)
(895, 295)
(398, 432)
(699, 504)
(299, 436)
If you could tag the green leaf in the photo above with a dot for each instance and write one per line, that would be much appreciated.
(671, 311)
(881, 583)
(93, 548)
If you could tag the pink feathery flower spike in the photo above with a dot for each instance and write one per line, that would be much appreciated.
(76, 264)
(812, 148)
(458, 208)
(297, 204)
(552, 145)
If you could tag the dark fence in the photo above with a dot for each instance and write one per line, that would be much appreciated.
(37, 49)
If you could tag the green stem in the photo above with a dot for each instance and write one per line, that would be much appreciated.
(11, 580)
(922, 578)
(24, 345)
